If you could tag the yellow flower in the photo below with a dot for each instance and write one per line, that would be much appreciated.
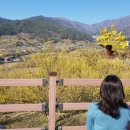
(117, 40)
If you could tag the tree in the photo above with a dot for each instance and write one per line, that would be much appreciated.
(111, 39)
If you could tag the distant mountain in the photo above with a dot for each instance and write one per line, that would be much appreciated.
(45, 27)
(60, 28)
(74, 24)
(2, 20)
(121, 24)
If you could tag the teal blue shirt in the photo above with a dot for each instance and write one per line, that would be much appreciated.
(97, 120)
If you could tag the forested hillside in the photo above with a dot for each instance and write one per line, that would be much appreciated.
(44, 27)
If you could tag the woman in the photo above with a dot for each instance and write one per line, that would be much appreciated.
(111, 112)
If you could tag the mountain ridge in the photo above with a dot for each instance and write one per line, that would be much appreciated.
(45, 27)
(121, 24)
(61, 27)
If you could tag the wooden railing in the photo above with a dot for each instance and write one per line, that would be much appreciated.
(22, 107)
(52, 98)
(78, 106)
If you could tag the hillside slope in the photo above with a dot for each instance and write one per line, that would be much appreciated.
(42, 26)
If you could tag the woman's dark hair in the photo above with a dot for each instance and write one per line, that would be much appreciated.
(112, 96)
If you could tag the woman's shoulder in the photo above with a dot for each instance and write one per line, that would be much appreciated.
(125, 109)
(93, 106)
(125, 112)
(92, 109)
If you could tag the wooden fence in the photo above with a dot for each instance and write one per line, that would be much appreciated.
(52, 98)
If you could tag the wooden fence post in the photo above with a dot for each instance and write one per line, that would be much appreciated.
(52, 101)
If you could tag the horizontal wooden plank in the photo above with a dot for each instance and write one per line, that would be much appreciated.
(82, 82)
(90, 82)
(74, 128)
(22, 82)
(126, 82)
(26, 129)
(38, 107)
(76, 106)
(20, 107)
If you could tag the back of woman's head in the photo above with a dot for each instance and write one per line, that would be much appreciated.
(112, 96)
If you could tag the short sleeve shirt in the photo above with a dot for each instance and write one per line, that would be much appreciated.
(98, 120)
